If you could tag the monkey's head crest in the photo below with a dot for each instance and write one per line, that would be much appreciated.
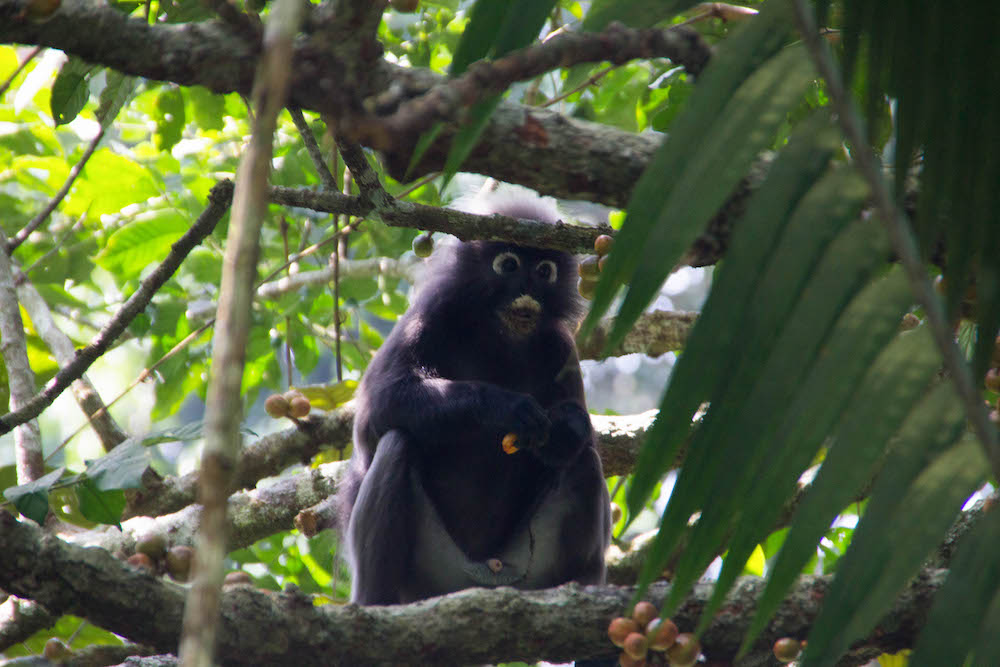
(523, 287)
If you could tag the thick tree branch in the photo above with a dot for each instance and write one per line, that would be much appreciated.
(465, 226)
(466, 627)
(447, 101)
(619, 439)
(21, 379)
(219, 198)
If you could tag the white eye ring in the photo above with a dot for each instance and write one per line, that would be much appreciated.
(501, 266)
(547, 265)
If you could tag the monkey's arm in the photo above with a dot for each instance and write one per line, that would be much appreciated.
(417, 402)
(571, 430)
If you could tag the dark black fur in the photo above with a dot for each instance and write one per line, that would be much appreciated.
(434, 504)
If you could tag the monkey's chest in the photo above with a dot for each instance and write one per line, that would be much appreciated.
(529, 558)
(481, 495)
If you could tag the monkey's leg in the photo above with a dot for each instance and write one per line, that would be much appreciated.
(380, 535)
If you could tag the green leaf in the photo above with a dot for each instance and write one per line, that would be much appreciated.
(894, 393)
(468, 136)
(32, 499)
(712, 347)
(71, 90)
(328, 397)
(184, 433)
(117, 92)
(209, 108)
(141, 244)
(807, 285)
(485, 35)
(903, 523)
(961, 608)
(635, 13)
(751, 119)
(721, 130)
(109, 183)
(121, 468)
(485, 20)
(170, 120)
(866, 326)
(100, 506)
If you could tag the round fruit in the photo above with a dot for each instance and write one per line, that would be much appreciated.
(587, 288)
(993, 379)
(299, 407)
(588, 267)
(55, 650)
(153, 545)
(601, 262)
(685, 651)
(644, 612)
(141, 560)
(423, 244)
(620, 628)
(910, 321)
(603, 244)
(276, 405)
(236, 578)
(662, 633)
(624, 660)
(786, 649)
(636, 646)
(179, 561)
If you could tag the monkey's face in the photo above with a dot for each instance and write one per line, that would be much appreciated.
(526, 286)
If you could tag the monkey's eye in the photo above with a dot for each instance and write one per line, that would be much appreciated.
(506, 262)
(546, 270)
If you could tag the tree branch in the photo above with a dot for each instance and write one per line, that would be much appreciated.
(21, 379)
(471, 626)
(104, 425)
(448, 100)
(223, 404)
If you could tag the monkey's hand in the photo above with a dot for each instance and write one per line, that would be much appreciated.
(571, 433)
(528, 421)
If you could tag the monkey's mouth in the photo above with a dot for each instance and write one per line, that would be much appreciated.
(522, 315)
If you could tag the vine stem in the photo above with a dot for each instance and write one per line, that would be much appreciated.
(900, 233)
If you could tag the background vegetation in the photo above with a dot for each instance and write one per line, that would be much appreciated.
(830, 166)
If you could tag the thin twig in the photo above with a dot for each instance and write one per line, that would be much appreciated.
(329, 182)
(591, 80)
(903, 241)
(57, 246)
(146, 373)
(371, 188)
(37, 221)
(223, 404)
(20, 68)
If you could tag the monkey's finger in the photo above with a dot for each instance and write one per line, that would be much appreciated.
(509, 443)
